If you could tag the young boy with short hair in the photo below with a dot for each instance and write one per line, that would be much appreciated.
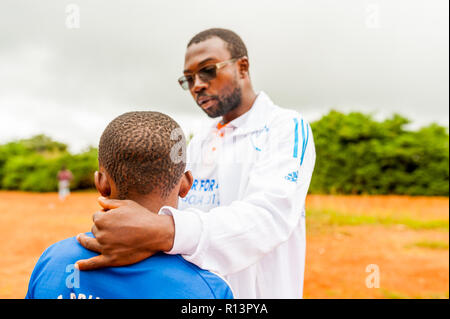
(140, 160)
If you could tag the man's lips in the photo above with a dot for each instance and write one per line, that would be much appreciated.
(206, 102)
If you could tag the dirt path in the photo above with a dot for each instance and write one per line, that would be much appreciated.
(30, 223)
(337, 256)
(412, 263)
(337, 263)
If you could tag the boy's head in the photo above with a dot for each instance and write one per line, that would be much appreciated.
(142, 154)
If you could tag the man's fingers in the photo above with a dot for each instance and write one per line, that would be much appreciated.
(96, 262)
(97, 215)
(94, 230)
(107, 203)
(89, 243)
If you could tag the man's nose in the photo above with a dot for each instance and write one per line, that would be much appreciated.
(199, 84)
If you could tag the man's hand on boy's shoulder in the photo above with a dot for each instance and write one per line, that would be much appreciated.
(125, 233)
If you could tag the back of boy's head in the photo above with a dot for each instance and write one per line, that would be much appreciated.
(141, 152)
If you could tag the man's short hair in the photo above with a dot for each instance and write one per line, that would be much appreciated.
(138, 151)
(234, 42)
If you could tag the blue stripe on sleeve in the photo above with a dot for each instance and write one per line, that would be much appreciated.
(296, 139)
(305, 143)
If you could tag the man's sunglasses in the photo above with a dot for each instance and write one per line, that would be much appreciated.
(206, 74)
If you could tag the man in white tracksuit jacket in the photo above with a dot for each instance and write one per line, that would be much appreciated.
(244, 217)
(256, 237)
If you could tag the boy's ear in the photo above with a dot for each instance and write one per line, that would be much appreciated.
(186, 184)
(102, 184)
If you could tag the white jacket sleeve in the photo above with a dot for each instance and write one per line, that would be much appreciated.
(230, 238)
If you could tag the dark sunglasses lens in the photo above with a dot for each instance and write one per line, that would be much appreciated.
(207, 73)
(185, 82)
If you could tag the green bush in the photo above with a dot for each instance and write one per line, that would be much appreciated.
(358, 155)
(83, 167)
(33, 165)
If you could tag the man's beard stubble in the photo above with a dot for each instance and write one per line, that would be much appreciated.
(226, 103)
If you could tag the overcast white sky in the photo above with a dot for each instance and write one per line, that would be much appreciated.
(313, 56)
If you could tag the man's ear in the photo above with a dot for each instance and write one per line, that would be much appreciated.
(186, 184)
(102, 184)
(243, 65)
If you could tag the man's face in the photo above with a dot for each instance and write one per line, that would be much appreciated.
(222, 94)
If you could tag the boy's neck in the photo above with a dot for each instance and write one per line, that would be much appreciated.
(154, 202)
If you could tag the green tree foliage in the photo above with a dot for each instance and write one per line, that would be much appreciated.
(33, 164)
(358, 155)
(43, 144)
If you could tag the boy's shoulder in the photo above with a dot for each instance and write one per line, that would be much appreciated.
(55, 268)
(218, 286)
(66, 251)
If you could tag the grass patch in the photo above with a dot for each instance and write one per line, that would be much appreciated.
(435, 296)
(429, 244)
(389, 294)
(329, 217)
(333, 293)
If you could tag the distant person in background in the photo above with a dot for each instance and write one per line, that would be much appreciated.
(64, 178)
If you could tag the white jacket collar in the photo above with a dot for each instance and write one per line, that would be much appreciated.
(255, 118)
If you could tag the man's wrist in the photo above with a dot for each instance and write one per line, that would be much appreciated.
(187, 228)
(168, 234)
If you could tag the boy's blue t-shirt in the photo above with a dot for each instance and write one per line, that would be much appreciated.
(160, 276)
